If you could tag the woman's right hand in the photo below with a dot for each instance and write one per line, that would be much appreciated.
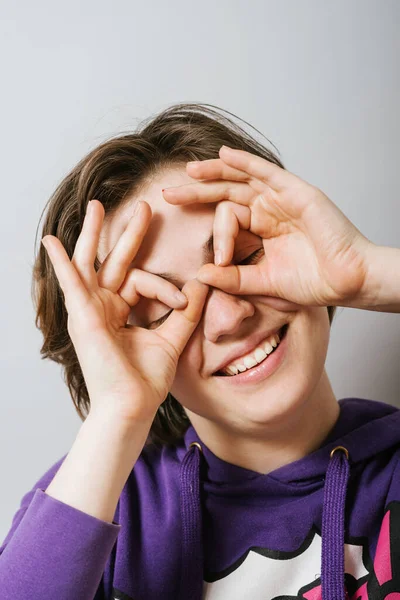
(128, 370)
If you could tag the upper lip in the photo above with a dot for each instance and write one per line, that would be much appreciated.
(250, 344)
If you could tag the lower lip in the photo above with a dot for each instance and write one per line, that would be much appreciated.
(261, 371)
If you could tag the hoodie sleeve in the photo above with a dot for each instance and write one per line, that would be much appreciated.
(54, 550)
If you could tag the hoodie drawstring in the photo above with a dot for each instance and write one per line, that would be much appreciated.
(333, 517)
(191, 585)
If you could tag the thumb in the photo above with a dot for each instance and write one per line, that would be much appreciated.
(181, 323)
(236, 279)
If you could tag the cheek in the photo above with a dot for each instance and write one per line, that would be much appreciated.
(308, 337)
(313, 343)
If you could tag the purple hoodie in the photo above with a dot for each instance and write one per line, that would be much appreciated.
(189, 525)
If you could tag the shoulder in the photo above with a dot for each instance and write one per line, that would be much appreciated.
(40, 486)
(43, 482)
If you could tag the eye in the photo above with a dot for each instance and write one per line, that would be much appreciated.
(252, 256)
(160, 321)
(249, 258)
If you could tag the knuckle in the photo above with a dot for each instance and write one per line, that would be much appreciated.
(134, 275)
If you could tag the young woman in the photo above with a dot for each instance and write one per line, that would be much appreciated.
(214, 460)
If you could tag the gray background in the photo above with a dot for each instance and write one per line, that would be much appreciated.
(319, 79)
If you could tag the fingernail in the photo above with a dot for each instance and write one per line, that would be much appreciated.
(193, 162)
(180, 297)
(44, 242)
(136, 208)
(219, 257)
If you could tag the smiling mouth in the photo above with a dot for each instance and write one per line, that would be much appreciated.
(282, 334)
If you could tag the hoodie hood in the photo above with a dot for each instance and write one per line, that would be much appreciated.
(364, 429)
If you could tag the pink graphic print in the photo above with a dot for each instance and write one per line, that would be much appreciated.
(384, 582)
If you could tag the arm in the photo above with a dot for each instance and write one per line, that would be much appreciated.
(96, 469)
(60, 546)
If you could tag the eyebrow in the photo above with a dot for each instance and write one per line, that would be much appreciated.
(208, 254)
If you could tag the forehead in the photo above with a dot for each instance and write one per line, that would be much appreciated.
(175, 233)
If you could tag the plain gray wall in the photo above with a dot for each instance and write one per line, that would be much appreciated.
(319, 79)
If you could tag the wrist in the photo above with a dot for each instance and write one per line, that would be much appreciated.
(121, 424)
(381, 289)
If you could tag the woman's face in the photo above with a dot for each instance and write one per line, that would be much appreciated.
(173, 244)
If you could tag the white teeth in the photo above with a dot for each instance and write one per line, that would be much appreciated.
(260, 354)
(268, 347)
(249, 361)
(254, 358)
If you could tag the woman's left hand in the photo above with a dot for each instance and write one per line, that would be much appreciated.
(313, 254)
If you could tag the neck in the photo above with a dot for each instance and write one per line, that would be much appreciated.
(268, 446)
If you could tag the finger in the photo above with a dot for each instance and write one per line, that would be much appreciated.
(229, 218)
(76, 296)
(85, 250)
(214, 168)
(241, 280)
(142, 283)
(210, 191)
(181, 323)
(113, 270)
(258, 167)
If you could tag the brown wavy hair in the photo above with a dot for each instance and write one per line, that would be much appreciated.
(114, 171)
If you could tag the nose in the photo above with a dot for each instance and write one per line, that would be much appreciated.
(223, 314)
